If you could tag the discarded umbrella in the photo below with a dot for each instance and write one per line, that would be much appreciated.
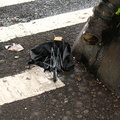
(52, 56)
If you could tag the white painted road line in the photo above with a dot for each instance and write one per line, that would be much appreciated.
(4, 3)
(30, 83)
(44, 24)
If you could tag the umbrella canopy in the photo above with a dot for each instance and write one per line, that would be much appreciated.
(52, 56)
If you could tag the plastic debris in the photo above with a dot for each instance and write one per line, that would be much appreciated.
(7, 46)
(14, 47)
(16, 57)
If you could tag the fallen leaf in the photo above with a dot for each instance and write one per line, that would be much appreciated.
(79, 78)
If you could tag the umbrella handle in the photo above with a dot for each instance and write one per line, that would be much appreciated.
(55, 74)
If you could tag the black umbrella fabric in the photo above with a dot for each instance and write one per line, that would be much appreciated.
(52, 56)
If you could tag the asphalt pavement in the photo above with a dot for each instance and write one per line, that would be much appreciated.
(25, 12)
(82, 97)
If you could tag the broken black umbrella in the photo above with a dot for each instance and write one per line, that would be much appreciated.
(52, 56)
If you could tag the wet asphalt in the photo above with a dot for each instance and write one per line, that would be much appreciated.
(84, 97)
